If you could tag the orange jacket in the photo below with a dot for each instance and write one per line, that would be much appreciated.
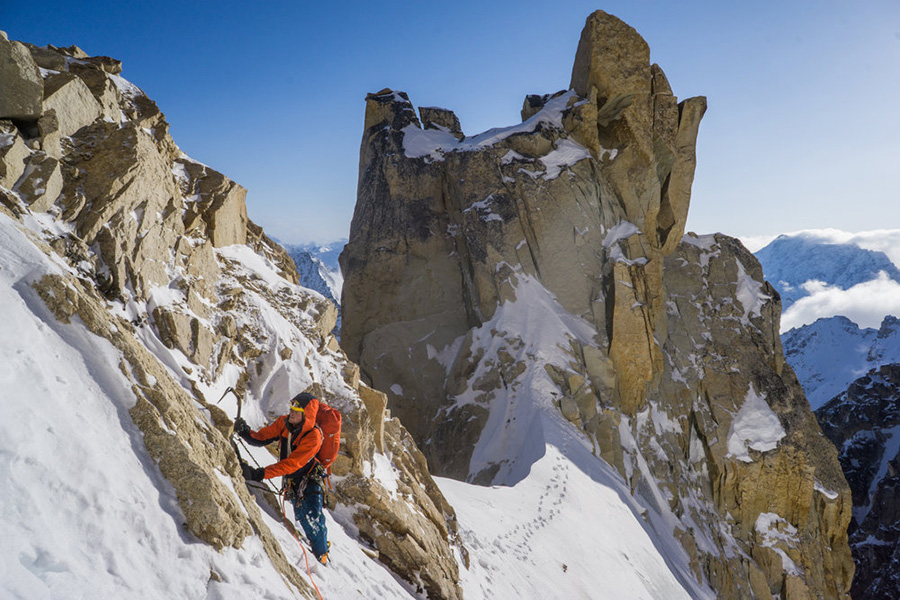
(298, 447)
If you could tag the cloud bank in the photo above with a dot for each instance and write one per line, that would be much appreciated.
(866, 304)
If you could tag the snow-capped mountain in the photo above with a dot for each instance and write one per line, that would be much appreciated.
(328, 253)
(831, 353)
(319, 270)
(791, 262)
(839, 294)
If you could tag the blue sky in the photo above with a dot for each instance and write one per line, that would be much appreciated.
(802, 130)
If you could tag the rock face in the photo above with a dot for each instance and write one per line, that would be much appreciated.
(20, 81)
(496, 282)
(864, 423)
(157, 256)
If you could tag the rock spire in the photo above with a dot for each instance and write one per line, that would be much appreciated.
(499, 284)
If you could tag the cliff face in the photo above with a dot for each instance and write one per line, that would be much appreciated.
(497, 283)
(864, 423)
(156, 255)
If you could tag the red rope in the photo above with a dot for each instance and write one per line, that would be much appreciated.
(299, 543)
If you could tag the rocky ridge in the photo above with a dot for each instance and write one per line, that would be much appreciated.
(864, 423)
(831, 353)
(663, 350)
(157, 256)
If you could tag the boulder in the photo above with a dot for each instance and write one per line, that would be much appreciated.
(42, 182)
(611, 57)
(13, 153)
(441, 119)
(216, 206)
(47, 58)
(104, 90)
(131, 204)
(20, 81)
(73, 102)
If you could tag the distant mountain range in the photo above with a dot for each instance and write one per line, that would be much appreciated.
(327, 253)
(864, 424)
(790, 261)
(319, 270)
(831, 350)
(831, 353)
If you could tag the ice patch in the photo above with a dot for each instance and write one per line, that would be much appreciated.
(620, 231)
(483, 210)
(704, 242)
(566, 154)
(511, 156)
(128, 89)
(749, 294)
(754, 426)
(383, 470)
(825, 491)
(774, 530)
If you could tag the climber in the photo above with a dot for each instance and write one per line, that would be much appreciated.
(300, 441)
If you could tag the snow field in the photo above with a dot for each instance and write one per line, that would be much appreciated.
(556, 534)
(85, 512)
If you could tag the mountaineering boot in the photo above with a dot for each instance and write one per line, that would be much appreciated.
(324, 558)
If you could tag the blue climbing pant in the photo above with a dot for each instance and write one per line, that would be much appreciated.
(308, 512)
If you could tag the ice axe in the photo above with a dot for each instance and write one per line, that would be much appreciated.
(231, 391)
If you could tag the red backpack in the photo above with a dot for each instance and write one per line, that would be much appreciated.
(329, 421)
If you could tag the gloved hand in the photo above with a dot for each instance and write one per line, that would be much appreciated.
(251, 474)
(240, 427)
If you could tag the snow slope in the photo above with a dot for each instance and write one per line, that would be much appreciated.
(563, 532)
(86, 513)
(84, 509)
(564, 524)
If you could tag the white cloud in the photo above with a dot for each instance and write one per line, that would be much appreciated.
(866, 304)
